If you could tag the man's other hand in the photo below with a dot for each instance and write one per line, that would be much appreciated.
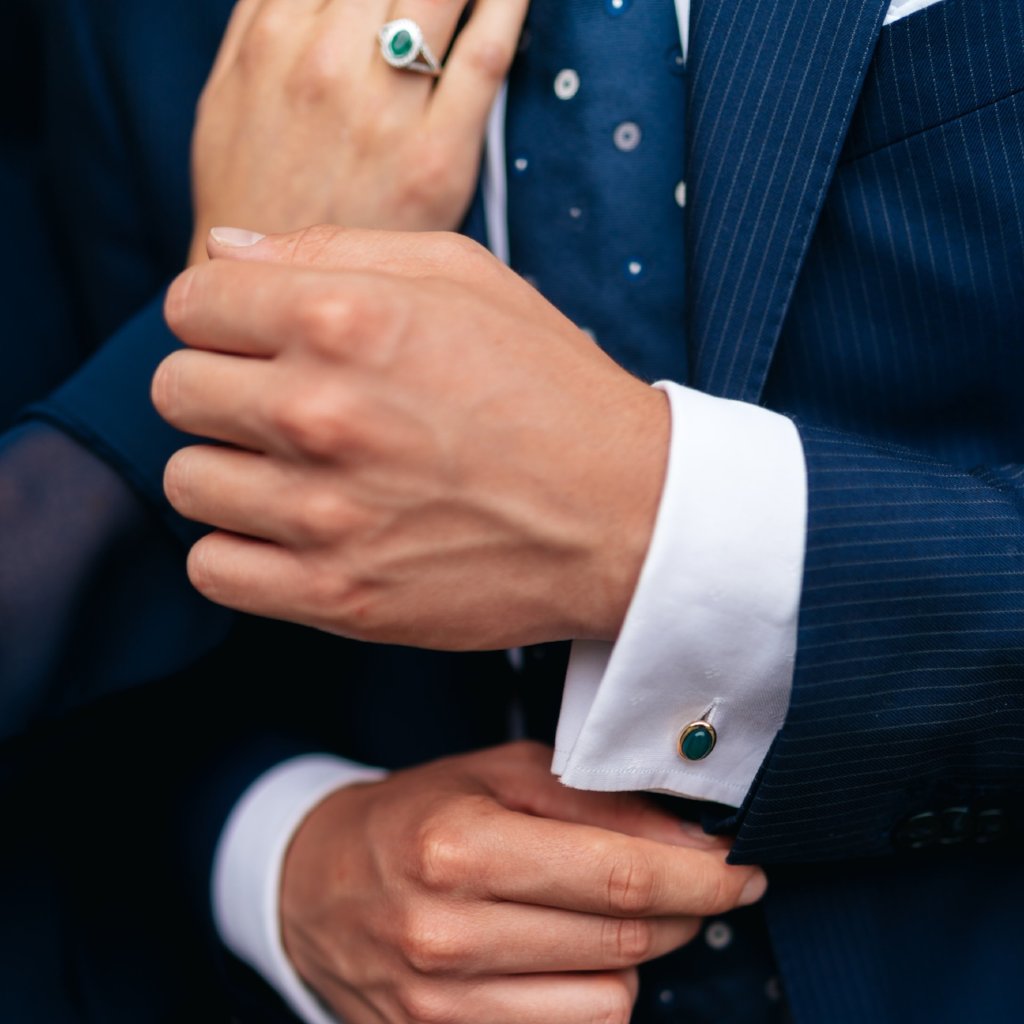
(478, 888)
(423, 450)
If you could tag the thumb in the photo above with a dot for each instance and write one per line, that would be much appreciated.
(530, 787)
(328, 247)
(632, 814)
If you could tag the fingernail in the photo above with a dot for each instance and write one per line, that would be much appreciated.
(754, 889)
(235, 238)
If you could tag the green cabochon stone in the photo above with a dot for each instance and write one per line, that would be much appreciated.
(698, 744)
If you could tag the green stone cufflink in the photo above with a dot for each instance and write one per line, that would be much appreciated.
(697, 740)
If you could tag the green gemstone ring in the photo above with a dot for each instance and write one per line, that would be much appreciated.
(402, 45)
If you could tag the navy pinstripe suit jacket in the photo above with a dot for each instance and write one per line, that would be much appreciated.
(856, 260)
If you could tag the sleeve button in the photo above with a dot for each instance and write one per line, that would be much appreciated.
(917, 832)
(990, 825)
(956, 825)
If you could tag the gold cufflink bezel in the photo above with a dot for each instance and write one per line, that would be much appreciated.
(701, 724)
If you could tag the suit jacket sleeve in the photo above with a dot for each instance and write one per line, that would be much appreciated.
(906, 723)
(900, 359)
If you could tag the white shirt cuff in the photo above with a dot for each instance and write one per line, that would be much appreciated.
(249, 859)
(711, 630)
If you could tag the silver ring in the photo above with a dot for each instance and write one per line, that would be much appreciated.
(402, 45)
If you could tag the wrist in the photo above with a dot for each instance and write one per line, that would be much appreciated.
(318, 857)
(249, 861)
(630, 475)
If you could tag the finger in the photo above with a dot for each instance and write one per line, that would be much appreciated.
(478, 65)
(414, 254)
(525, 859)
(345, 40)
(438, 20)
(511, 938)
(248, 493)
(255, 576)
(405, 90)
(268, 30)
(526, 999)
(543, 998)
(241, 18)
(216, 396)
(531, 787)
(257, 309)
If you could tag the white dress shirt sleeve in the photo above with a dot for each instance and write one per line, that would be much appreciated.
(246, 881)
(711, 630)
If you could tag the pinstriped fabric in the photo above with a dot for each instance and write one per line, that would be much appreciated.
(909, 673)
(907, 329)
(772, 90)
(868, 949)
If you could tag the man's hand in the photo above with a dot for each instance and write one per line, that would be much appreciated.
(478, 888)
(427, 452)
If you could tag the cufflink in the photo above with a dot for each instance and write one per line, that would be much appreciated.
(697, 740)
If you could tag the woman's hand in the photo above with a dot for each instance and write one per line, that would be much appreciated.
(302, 120)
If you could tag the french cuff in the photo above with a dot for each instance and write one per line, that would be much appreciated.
(710, 635)
(249, 859)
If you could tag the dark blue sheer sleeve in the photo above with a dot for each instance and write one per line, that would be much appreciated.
(93, 592)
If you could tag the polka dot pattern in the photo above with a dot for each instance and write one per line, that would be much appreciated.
(567, 84)
(627, 136)
(596, 172)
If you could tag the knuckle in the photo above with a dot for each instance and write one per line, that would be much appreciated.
(627, 942)
(376, 127)
(331, 590)
(426, 1004)
(325, 321)
(490, 59)
(632, 884)
(318, 77)
(530, 751)
(431, 177)
(455, 248)
(442, 856)
(333, 582)
(320, 515)
(264, 36)
(431, 945)
(317, 422)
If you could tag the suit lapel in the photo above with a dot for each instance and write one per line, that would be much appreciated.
(772, 86)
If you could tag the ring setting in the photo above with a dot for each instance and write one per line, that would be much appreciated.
(402, 45)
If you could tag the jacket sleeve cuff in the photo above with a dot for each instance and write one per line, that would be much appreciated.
(711, 630)
(249, 859)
